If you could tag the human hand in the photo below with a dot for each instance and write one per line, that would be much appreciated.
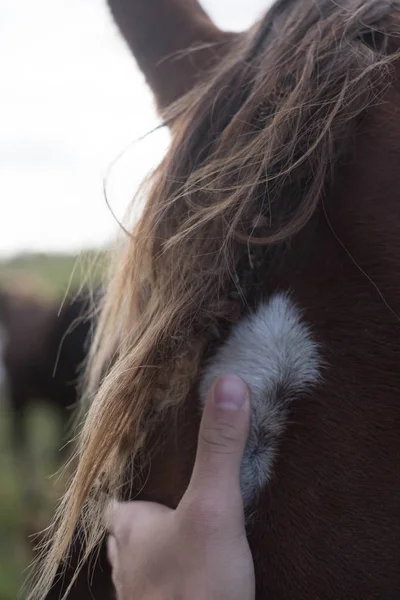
(199, 551)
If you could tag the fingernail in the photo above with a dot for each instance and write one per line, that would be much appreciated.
(109, 512)
(230, 392)
(112, 550)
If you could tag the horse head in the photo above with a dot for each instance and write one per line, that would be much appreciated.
(268, 247)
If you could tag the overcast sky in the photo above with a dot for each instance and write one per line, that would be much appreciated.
(71, 100)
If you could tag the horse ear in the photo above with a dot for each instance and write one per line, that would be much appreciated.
(173, 41)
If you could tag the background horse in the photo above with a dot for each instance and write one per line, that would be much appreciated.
(268, 247)
(43, 348)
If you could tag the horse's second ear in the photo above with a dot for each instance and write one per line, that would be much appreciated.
(173, 41)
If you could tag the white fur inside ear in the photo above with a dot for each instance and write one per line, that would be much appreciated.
(274, 353)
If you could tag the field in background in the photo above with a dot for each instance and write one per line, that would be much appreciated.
(52, 275)
(49, 276)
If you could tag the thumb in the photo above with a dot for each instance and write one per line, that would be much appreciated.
(222, 438)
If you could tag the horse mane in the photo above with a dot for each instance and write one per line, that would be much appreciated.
(253, 151)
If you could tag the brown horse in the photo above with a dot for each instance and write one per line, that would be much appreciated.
(43, 348)
(269, 247)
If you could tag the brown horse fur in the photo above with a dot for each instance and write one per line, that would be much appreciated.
(282, 175)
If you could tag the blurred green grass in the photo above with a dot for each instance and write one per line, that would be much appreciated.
(49, 276)
(20, 517)
(52, 275)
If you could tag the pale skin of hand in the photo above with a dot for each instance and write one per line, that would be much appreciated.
(199, 551)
